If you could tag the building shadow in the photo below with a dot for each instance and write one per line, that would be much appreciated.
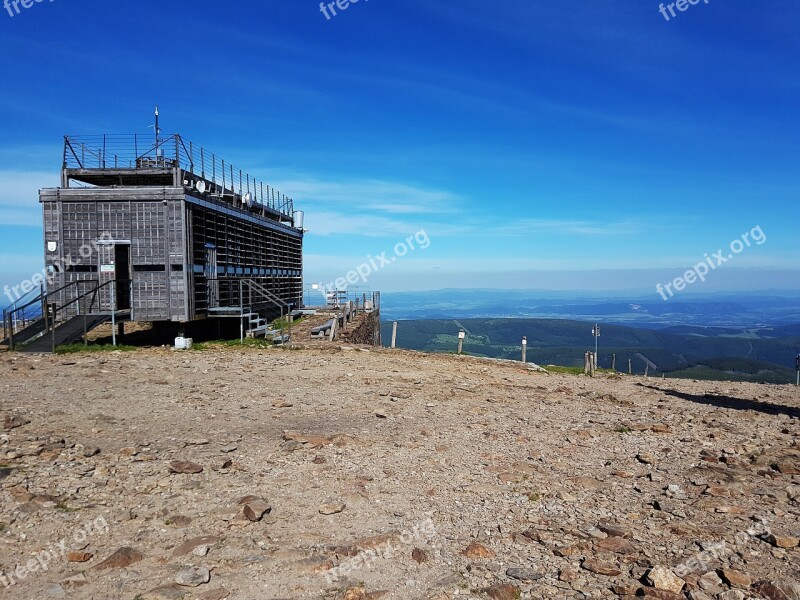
(730, 402)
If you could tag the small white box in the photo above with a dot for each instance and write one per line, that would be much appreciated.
(182, 343)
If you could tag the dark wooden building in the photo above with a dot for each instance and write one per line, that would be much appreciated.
(158, 229)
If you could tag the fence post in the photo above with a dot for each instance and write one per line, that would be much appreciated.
(630, 367)
(113, 316)
(524, 350)
(614, 362)
(333, 328)
(394, 334)
(53, 332)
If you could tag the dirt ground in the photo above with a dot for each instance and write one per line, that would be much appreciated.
(336, 472)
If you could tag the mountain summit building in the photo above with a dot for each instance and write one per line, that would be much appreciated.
(158, 229)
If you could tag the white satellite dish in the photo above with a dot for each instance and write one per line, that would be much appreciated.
(201, 186)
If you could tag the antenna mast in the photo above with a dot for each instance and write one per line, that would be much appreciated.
(158, 130)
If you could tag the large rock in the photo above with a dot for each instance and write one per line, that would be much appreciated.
(193, 576)
(476, 550)
(662, 578)
(789, 590)
(185, 467)
(122, 558)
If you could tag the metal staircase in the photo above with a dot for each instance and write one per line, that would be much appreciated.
(60, 316)
(256, 303)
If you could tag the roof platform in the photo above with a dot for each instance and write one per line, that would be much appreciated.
(169, 161)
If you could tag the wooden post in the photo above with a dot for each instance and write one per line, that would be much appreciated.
(614, 362)
(592, 363)
(524, 350)
(461, 336)
(585, 363)
(394, 334)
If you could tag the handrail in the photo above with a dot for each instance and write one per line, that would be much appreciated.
(125, 152)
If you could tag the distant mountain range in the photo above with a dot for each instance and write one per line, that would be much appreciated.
(734, 309)
(733, 337)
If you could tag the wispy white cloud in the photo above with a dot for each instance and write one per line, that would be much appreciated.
(370, 194)
(367, 207)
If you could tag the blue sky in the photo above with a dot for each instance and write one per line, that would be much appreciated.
(561, 145)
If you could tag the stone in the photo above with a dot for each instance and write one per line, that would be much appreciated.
(79, 557)
(194, 543)
(612, 530)
(773, 590)
(645, 458)
(735, 578)
(357, 593)
(164, 592)
(568, 575)
(731, 595)
(185, 467)
(122, 558)
(256, 509)
(786, 468)
(192, 576)
(332, 508)
(523, 574)
(662, 578)
(710, 582)
(503, 591)
(14, 422)
(420, 556)
(600, 568)
(476, 550)
(782, 541)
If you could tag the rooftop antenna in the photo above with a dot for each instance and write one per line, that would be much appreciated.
(158, 133)
(158, 129)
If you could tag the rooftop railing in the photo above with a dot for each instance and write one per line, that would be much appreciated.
(145, 152)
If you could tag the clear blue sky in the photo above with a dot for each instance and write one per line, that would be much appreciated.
(559, 144)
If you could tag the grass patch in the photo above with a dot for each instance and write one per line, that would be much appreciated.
(258, 343)
(284, 322)
(78, 348)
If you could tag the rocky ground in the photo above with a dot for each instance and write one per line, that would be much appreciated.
(347, 473)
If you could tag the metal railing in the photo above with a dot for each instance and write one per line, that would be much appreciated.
(136, 151)
(54, 313)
